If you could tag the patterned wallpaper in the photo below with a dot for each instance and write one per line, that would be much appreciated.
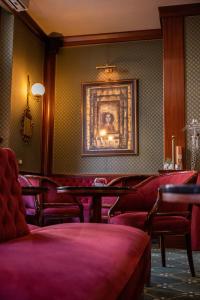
(6, 50)
(28, 59)
(135, 60)
(192, 65)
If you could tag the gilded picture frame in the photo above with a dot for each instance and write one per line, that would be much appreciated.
(110, 118)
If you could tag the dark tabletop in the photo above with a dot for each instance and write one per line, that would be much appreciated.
(181, 189)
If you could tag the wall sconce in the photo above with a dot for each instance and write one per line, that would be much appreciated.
(37, 90)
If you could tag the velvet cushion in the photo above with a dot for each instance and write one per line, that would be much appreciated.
(33, 227)
(70, 210)
(30, 211)
(134, 219)
(173, 224)
(12, 212)
(75, 262)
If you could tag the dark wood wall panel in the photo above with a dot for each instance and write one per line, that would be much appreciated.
(174, 85)
(48, 113)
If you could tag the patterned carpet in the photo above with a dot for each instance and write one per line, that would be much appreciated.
(174, 281)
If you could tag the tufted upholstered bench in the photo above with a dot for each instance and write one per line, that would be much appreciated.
(65, 261)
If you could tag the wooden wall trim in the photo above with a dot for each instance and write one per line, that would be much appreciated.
(48, 109)
(174, 82)
(112, 37)
(180, 10)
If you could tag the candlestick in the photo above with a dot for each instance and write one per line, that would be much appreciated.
(173, 151)
(179, 162)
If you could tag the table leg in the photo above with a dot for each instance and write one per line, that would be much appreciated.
(96, 204)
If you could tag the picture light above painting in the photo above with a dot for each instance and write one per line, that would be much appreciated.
(110, 118)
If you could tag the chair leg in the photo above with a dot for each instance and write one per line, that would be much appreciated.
(162, 249)
(81, 218)
(189, 254)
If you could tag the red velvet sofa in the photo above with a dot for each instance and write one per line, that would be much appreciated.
(65, 261)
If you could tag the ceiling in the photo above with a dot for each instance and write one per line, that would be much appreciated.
(79, 17)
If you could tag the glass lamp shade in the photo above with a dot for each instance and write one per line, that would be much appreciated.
(38, 89)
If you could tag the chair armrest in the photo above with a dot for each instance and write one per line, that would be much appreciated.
(33, 190)
(57, 204)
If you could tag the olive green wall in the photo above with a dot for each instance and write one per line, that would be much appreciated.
(28, 59)
(134, 60)
(6, 55)
(192, 67)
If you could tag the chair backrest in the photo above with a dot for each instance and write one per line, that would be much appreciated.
(130, 180)
(146, 192)
(150, 190)
(12, 211)
(51, 196)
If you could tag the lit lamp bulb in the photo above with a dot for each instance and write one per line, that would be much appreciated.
(103, 132)
(38, 90)
(110, 138)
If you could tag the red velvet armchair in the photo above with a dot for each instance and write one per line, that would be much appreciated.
(140, 209)
(129, 180)
(174, 206)
(31, 202)
(50, 206)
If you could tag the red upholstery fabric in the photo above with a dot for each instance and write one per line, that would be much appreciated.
(195, 224)
(129, 180)
(135, 219)
(69, 261)
(146, 194)
(61, 211)
(12, 213)
(80, 180)
(195, 228)
(75, 261)
(50, 205)
(32, 227)
(175, 224)
(132, 207)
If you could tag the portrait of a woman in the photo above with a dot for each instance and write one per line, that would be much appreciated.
(108, 122)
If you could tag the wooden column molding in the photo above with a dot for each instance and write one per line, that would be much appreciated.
(174, 83)
(52, 47)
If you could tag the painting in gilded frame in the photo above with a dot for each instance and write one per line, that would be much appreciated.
(110, 118)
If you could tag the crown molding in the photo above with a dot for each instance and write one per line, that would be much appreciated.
(114, 37)
(179, 10)
(32, 25)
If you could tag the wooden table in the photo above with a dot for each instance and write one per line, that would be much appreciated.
(33, 190)
(96, 192)
(185, 193)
